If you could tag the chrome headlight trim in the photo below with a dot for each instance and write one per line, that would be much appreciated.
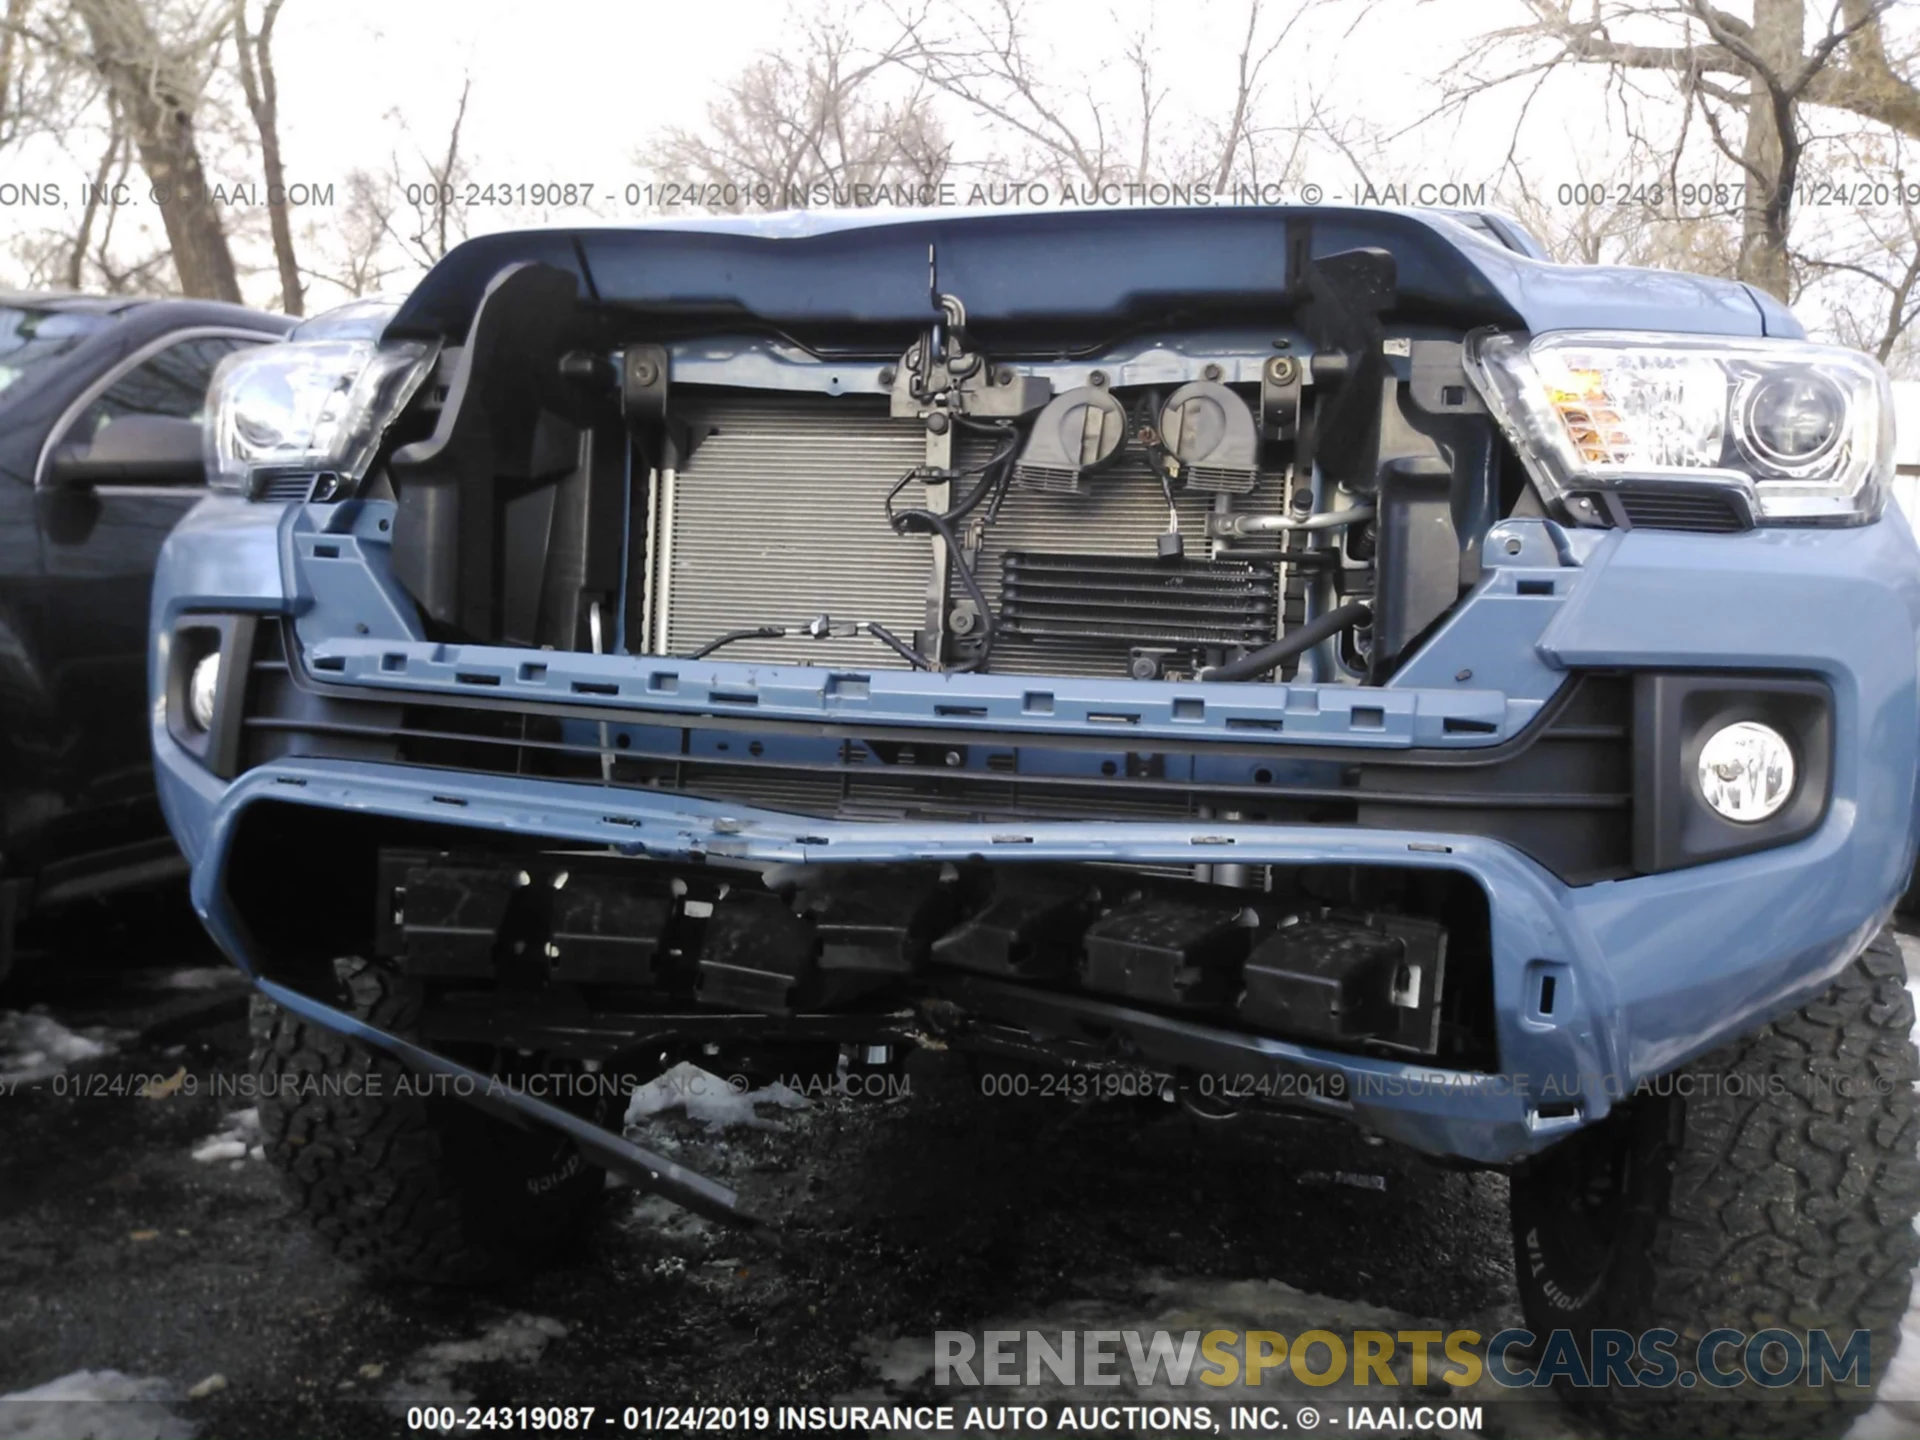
(1593, 409)
(314, 408)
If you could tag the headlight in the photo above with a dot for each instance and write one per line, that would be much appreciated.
(306, 408)
(203, 688)
(1804, 432)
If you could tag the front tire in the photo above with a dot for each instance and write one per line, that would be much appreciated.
(408, 1185)
(1770, 1184)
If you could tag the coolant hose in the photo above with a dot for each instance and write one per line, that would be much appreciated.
(1295, 642)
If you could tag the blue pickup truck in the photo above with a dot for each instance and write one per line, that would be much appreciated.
(1326, 659)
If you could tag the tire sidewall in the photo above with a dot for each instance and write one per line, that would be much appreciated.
(397, 1172)
(1771, 1184)
(1576, 1281)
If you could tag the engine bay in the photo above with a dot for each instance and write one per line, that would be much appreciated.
(1230, 502)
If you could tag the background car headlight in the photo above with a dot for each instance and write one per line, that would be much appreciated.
(203, 688)
(306, 408)
(1804, 432)
(1746, 771)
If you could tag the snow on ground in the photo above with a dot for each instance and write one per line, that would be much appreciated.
(427, 1379)
(35, 1046)
(239, 1139)
(660, 1219)
(1910, 952)
(905, 1366)
(1897, 1415)
(93, 1405)
(716, 1103)
(1179, 1306)
(194, 977)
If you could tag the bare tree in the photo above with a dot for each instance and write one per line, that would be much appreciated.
(984, 57)
(9, 48)
(1883, 329)
(804, 117)
(103, 192)
(91, 258)
(1598, 233)
(254, 51)
(1238, 132)
(158, 86)
(401, 217)
(437, 204)
(1861, 268)
(88, 75)
(360, 233)
(986, 61)
(145, 273)
(48, 84)
(1749, 81)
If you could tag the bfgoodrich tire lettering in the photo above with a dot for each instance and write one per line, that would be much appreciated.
(1770, 1184)
(409, 1185)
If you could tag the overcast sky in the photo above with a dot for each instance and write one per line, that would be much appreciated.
(580, 84)
(568, 91)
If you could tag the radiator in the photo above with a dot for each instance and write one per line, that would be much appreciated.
(777, 517)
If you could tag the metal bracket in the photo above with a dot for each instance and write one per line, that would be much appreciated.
(1280, 381)
(643, 382)
(939, 495)
(647, 1170)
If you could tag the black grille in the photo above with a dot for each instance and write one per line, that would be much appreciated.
(1684, 507)
(1218, 603)
(285, 487)
(1560, 793)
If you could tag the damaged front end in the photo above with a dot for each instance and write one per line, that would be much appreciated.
(1178, 660)
(1165, 507)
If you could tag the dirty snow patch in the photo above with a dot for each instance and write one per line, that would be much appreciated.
(716, 1103)
(35, 1046)
(427, 1379)
(93, 1405)
(1896, 1414)
(1910, 952)
(657, 1216)
(196, 977)
(904, 1367)
(239, 1138)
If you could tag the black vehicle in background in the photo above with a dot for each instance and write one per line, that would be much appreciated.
(100, 456)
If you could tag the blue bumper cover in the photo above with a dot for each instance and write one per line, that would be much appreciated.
(1650, 971)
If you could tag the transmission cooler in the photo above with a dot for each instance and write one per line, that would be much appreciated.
(775, 519)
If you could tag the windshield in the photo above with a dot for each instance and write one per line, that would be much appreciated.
(31, 339)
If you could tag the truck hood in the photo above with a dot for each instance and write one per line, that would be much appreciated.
(1097, 269)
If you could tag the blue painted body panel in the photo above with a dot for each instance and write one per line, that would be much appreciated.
(840, 269)
(1657, 968)
(1653, 970)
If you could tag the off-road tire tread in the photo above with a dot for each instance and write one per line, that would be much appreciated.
(1790, 1204)
(406, 1186)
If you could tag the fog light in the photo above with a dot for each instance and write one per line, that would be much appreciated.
(1746, 771)
(203, 686)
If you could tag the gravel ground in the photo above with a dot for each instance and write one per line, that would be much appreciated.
(184, 1296)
